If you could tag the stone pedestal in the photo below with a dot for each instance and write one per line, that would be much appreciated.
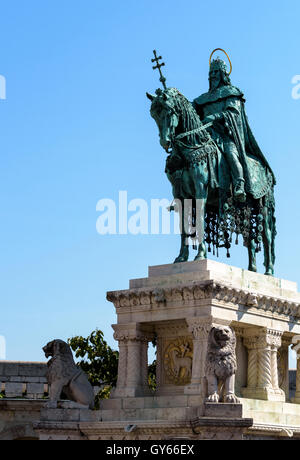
(180, 303)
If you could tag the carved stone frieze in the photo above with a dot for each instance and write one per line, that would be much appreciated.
(208, 290)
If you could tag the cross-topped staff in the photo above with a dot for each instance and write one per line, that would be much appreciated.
(158, 66)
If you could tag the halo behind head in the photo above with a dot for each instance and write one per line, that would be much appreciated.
(220, 49)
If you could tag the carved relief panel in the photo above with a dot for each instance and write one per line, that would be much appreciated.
(174, 357)
(178, 360)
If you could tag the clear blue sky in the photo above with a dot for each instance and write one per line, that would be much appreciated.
(76, 128)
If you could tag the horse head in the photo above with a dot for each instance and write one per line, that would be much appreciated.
(164, 112)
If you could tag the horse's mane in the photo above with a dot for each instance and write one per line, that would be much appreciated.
(189, 118)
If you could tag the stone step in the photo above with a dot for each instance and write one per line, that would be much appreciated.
(151, 402)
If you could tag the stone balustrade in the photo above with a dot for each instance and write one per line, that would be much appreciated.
(23, 379)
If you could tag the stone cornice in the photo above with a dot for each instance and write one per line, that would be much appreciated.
(281, 430)
(209, 291)
(157, 428)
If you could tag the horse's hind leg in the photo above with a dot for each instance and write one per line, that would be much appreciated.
(268, 241)
(252, 256)
(200, 219)
(184, 248)
(202, 253)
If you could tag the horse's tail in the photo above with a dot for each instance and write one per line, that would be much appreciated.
(270, 202)
(274, 233)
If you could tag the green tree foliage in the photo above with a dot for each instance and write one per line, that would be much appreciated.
(152, 376)
(98, 360)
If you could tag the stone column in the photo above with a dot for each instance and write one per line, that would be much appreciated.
(262, 379)
(296, 398)
(133, 360)
(283, 365)
(144, 365)
(241, 359)
(122, 365)
(200, 329)
(252, 367)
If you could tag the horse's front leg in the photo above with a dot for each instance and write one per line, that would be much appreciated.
(184, 248)
(252, 256)
(201, 189)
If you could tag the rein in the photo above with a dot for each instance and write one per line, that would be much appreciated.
(181, 136)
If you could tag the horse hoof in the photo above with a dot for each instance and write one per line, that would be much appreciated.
(180, 260)
(200, 258)
(269, 273)
(253, 269)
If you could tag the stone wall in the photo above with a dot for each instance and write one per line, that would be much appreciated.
(23, 379)
(17, 418)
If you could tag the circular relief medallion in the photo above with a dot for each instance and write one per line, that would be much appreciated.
(210, 149)
(178, 360)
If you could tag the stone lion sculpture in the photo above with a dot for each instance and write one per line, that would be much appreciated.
(64, 376)
(221, 365)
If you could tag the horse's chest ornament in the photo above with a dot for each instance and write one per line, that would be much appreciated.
(201, 154)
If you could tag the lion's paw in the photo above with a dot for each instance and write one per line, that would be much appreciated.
(231, 399)
(214, 398)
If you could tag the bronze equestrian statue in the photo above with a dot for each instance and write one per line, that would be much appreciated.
(222, 183)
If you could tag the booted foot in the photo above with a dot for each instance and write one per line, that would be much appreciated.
(239, 192)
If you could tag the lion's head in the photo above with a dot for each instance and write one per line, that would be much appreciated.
(62, 364)
(222, 336)
(56, 348)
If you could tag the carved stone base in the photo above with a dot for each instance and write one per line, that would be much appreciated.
(296, 399)
(265, 394)
(171, 418)
(193, 389)
(130, 392)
